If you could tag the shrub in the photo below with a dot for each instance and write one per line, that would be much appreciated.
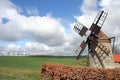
(62, 72)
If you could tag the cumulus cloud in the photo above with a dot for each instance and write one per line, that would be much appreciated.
(32, 11)
(45, 29)
(89, 6)
(89, 10)
(13, 47)
(37, 47)
(48, 33)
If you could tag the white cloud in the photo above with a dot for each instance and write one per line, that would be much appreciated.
(88, 6)
(32, 11)
(45, 29)
(40, 48)
(12, 47)
(110, 3)
(89, 10)
(36, 46)
(48, 33)
(86, 19)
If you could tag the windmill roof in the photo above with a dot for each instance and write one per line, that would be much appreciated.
(103, 38)
(102, 35)
(116, 57)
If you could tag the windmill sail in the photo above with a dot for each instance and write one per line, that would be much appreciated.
(80, 29)
(99, 46)
(98, 22)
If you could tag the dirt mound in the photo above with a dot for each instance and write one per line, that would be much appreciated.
(62, 72)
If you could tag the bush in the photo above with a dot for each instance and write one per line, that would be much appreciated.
(62, 72)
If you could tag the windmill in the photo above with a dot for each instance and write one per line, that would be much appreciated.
(99, 44)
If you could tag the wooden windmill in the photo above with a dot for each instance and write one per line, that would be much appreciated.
(99, 44)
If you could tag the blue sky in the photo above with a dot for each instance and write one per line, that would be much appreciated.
(65, 9)
(46, 25)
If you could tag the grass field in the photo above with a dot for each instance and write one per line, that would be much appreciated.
(28, 68)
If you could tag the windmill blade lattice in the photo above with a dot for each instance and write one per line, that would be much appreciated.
(80, 29)
(98, 22)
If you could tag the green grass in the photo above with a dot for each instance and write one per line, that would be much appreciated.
(28, 68)
(18, 74)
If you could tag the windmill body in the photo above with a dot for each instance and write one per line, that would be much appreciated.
(99, 45)
(100, 58)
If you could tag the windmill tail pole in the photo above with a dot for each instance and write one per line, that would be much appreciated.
(113, 48)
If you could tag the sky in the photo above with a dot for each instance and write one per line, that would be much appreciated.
(45, 27)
